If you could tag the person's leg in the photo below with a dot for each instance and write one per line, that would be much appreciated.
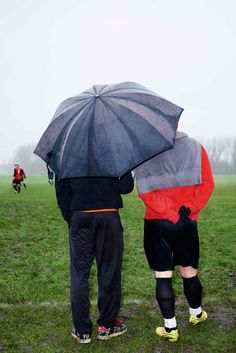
(192, 288)
(81, 256)
(193, 292)
(165, 298)
(158, 248)
(188, 259)
(14, 186)
(109, 253)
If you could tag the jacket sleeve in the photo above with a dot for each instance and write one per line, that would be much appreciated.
(203, 191)
(63, 195)
(125, 184)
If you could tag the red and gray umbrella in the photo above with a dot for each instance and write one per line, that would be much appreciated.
(107, 131)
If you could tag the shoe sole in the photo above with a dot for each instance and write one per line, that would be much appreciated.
(168, 339)
(88, 340)
(112, 335)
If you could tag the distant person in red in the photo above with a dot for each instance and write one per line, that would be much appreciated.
(175, 186)
(18, 178)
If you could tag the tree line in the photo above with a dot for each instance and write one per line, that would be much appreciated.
(221, 152)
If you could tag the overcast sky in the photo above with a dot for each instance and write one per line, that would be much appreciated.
(50, 50)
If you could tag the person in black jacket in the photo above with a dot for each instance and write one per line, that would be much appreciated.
(90, 207)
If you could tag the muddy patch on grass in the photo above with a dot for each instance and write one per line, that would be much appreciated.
(28, 349)
(161, 348)
(223, 315)
(128, 312)
(169, 347)
(3, 347)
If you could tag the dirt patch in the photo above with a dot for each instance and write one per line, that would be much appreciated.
(223, 315)
(162, 347)
(167, 347)
(126, 313)
(3, 347)
(28, 349)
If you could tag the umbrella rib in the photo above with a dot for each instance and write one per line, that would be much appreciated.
(128, 89)
(154, 108)
(72, 123)
(102, 89)
(108, 108)
(163, 124)
(67, 109)
(118, 117)
(131, 132)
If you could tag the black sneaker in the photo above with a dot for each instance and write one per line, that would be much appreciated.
(81, 337)
(118, 329)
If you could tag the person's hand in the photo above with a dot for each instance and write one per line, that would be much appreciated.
(184, 212)
(185, 224)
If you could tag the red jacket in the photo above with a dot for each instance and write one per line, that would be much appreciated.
(165, 203)
(19, 173)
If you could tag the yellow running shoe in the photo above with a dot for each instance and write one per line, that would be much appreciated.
(194, 320)
(170, 336)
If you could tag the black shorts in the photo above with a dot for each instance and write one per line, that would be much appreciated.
(167, 244)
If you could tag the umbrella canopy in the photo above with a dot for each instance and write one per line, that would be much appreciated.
(108, 130)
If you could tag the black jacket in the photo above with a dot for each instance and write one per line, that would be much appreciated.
(91, 193)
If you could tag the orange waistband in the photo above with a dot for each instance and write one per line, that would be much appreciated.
(100, 210)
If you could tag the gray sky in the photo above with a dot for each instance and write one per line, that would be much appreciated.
(50, 50)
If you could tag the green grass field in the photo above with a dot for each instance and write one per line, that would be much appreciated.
(34, 281)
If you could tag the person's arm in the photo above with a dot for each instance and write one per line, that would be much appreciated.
(125, 184)
(23, 174)
(203, 191)
(63, 195)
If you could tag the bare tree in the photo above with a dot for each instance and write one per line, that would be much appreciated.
(31, 163)
(221, 152)
(234, 156)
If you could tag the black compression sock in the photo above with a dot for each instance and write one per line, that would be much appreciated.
(165, 297)
(193, 291)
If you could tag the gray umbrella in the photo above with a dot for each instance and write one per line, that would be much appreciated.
(108, 130)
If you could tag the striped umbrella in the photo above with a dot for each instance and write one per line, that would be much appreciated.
(107, 131)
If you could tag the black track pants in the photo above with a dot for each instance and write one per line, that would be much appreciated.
(95, 235)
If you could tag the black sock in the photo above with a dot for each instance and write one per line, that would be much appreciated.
(193, 291)
(165, 297)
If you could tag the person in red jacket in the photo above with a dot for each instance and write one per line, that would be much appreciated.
(175, 186)
(18, 178)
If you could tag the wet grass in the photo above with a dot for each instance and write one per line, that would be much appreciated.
(34, 278)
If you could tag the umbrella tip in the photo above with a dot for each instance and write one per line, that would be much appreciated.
(96, 91)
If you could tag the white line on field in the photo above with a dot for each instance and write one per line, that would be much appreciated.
(131, 301)
(60, 304)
